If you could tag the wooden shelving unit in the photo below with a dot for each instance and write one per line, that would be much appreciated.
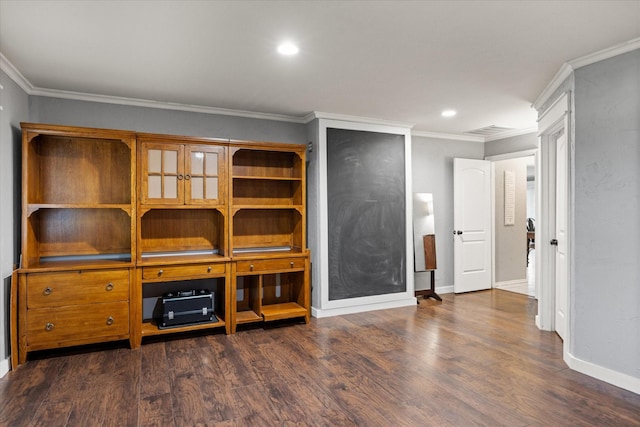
(74, 285)
(271, 263)
(182, 237)
(112, 220)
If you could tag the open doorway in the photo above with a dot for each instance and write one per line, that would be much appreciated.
(514, 216)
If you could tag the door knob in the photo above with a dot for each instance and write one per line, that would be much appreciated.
(554, 242)
(458, 232)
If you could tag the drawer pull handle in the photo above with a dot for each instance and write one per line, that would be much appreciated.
(251, 267)
(47, 291)
(109, 287)
(49, 327)
(208, 269)
(160, 272)
(291, 264)
(109, 320)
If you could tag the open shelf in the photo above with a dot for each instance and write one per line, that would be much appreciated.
(83, 234)
(266, 192)
(152, 304)
(78, 170)
(267, 228)
(150, 328)
(248, 295)
(198, 233)
(266, 164)
(287, 310)
(283, 296)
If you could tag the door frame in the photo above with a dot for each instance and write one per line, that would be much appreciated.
(553, 120)
(535, 153)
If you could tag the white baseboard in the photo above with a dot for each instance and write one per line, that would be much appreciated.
(317, 312)
(444, 290)
(4, 367)
(615, 378)
(507, 283)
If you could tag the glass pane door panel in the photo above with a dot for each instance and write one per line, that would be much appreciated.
(212, 188)
(197, 163)
(155, 161)
(212, 163)
(170, 162)
(197, 188)
(154, 189)
(170, 187)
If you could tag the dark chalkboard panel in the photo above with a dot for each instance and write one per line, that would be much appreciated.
(366, 213)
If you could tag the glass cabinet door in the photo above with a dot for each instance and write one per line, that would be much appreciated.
(162, 173)
(204, 177)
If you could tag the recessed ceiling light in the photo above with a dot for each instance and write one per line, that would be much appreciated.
(288, 49)
(449, 113)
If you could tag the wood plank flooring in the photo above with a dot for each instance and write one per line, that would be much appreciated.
(473, 360)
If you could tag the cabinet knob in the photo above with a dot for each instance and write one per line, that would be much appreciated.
(109, 287)
(180, 177)
(109, 320)
(160, 272)
(251, 267)
(47, 291)
(209, 269)
(187, 177)
(49, 327)
(291, 264)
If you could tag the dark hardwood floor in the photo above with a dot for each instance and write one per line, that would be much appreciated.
(474, 359)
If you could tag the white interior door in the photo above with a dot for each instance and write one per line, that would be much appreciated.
(472, 225)
(560, 241)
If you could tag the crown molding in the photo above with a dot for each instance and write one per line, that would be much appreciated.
(368, 120)
(357, 119)
(136, 102)
(603, 54)
(511, 133)
(455, 137)
(14, 74)
(570, 66)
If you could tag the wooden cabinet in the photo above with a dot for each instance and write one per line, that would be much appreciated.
(78, 196)
(182, 171)
(113, 220)
(182, 225)
(266, 289)
(267, 198)
(75, 307)
(271, 263)
(78, 238)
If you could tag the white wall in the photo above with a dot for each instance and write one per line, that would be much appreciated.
(14, 102)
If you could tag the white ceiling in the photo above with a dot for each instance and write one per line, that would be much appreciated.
(401, 61)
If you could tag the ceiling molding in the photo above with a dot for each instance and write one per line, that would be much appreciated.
(603, 54)
(511, 133)
(31, 90)
(570, 66)
(135, 102)
(455, 137)
(14, 74)
(356, 119)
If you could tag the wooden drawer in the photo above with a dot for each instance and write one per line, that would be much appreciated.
(76, 287)
(54, 326)
(277, 264)
(185, 270)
